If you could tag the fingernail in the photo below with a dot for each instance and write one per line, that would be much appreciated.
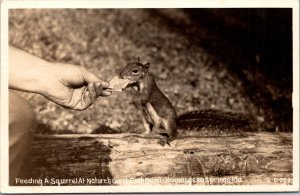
(106, 93)
(99, 84)
(105, 84)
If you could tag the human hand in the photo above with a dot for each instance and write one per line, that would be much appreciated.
(72, 86)
(68, 85)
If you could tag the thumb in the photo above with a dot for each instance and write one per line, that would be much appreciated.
(90, 77)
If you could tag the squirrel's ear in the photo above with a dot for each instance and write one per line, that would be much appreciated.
(146, 66)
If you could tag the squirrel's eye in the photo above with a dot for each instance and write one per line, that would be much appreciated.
(135, 71)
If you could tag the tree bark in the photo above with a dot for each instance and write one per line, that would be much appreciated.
(125, 159)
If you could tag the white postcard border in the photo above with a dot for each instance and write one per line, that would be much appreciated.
(14, 4)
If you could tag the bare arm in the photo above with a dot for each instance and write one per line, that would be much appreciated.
(26, 72)
(68, 85)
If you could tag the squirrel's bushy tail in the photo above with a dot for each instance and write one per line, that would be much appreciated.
(215, 119)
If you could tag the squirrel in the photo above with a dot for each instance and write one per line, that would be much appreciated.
(159, 113)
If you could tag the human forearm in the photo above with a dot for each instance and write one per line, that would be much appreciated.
(26, 72)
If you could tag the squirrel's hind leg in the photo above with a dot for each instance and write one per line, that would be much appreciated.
(147, 121)
(170, 132)
(170, 128)
(147, 125)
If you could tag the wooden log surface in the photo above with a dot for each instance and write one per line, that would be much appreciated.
(125, 159)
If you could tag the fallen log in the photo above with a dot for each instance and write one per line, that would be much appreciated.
(125, 159)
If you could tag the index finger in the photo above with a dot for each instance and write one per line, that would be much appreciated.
(90, 77)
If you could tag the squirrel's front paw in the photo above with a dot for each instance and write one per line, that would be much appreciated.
(163, 141)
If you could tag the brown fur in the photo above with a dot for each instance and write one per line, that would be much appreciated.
(158, 111)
